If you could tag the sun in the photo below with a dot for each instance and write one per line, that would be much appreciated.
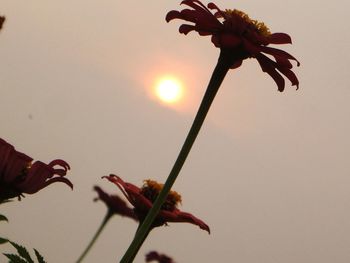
(169, 90)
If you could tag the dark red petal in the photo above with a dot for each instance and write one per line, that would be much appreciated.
(173, 15)
(290, 75)
(229, 40)
(2, 20)
(39, 176)
(279, 38)
(185, 29)
(54, 180)
(161, 258)
(115, 204)
(130, 191)
(16, 165)
(269, 67)
(178, 216)
(278, 53)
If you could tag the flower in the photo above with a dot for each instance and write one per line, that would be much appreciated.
(240, 37)
(18, 175)
(142, 199)
(114, 204)
(161, 258)
(2, 20)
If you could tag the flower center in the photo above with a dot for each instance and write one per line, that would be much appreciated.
(260, 27)
(151, 189)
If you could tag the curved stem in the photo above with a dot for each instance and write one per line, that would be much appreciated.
(217, 77)
(97, 234)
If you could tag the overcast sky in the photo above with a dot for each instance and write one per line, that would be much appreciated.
(269, 172)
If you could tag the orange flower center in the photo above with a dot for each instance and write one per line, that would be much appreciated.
(260, 27)
(151, 189)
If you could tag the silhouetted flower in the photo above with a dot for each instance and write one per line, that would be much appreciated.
(18, 175)
(142, 199)
(2, 20)
(114, 204)
(161, 258)
(239, 37)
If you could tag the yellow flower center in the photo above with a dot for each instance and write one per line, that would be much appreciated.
(151, 189)
(260, 27)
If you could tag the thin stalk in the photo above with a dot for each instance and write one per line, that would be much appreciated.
(216, 79)
(95, 237)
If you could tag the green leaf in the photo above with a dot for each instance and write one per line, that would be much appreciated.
(3, 218)
(15, 258)
(22, 251)
(39, 257)
(3, 240)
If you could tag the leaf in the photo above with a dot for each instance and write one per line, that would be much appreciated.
(3, 218)
(15, 258)
(22, 251)
(3, 240)
(39, 257)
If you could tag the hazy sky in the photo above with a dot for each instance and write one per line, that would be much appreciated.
(269, 173)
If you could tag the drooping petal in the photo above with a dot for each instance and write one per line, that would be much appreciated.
(279, 54)
(268, 67)
(179, 216)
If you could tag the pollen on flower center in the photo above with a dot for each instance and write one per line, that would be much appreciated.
(260, 27)
(151, 189)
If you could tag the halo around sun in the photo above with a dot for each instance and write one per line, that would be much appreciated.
(169, 90)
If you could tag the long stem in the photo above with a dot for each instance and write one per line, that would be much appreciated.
(217, 77)
(97, 234)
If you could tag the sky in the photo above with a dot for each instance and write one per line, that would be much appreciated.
(269, 172)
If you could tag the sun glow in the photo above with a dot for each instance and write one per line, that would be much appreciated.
(169, 90)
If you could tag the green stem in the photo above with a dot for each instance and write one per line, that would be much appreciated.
(140, 243)
(217, 77)
(97, 234)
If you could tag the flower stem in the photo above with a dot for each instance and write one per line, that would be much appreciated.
(216, 79)
(97, 234)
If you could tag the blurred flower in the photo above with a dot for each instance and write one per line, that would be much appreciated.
(2, 20)
(143, 198)
(18, 175)
(161, 258)
(239, 37)
(114, 204)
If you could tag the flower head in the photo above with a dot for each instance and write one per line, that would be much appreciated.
(142, 199)
(114, 204)
(19, 175)
(2, 20)
(240, 37)
(161, 258)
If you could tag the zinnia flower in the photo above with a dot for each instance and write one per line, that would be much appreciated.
(114, 204)
(239, 37)
(18, 175)
(161, 258)
(2, 20)
(142, 198)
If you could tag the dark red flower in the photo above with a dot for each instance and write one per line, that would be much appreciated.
(18, 175)
(142, 199)
(161, 258)
(240, 37)
(2, 20)
(114, 204)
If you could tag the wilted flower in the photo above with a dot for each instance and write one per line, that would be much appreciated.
(19, 175)
(161, 258)
(239, 37)
(114, 204)
(142, 199)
